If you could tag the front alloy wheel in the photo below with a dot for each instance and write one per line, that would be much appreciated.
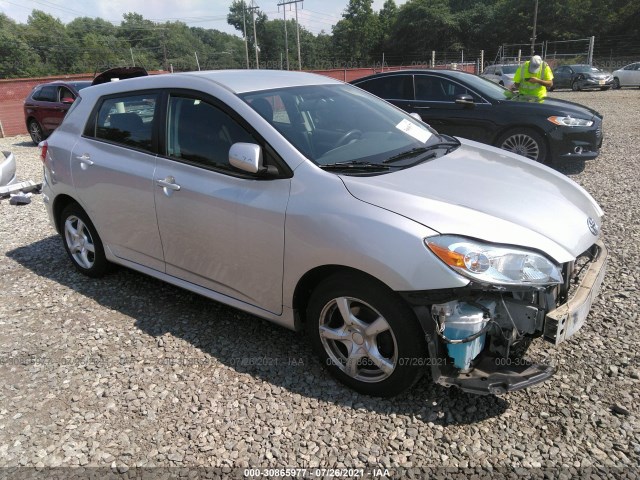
(365, 335)
(525, 142)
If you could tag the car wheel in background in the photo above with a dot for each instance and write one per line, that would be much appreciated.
(575, 86)
(365, 335)
(525, 142)
(616, 83)
(82, 243)
(36, 132)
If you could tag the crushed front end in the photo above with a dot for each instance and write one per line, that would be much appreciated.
(477, 335)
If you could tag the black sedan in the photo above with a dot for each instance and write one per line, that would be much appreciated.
(581, 77)
(465, 105)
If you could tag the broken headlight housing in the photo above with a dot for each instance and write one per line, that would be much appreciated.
(493, 264)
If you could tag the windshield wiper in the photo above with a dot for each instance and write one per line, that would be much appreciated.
(420, 150)
(358, 165)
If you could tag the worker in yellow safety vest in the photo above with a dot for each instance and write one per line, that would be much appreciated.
(533, 78)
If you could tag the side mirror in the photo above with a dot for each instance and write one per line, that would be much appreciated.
(248, 158)
(464, 99)
(67, 100)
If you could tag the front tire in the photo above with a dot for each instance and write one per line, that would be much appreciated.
(82, 242)
(525, 142)
(575, 86)
(616, 83)
(365, 335)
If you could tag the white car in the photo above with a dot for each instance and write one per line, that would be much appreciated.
(628, 76)
(318, 206)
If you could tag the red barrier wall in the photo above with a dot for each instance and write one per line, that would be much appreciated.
(12, 95)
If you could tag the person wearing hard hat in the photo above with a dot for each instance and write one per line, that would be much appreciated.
(533, 78)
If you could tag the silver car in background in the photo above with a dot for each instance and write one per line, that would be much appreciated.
(320, 207)
(501, 74)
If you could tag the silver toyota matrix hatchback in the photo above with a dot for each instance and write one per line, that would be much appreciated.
(320, 207)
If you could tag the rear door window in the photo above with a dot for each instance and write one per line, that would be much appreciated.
(394, 87)
(48, 93)
(126, 120)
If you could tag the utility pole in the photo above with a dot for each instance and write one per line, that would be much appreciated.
(255, 38)
(244, 27)
(283, 4)
(535, 24)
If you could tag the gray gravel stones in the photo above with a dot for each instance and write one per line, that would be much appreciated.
(127, 372)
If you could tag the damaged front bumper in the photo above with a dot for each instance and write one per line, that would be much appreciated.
(484, 362)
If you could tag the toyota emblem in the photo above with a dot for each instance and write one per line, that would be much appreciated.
(593, 226)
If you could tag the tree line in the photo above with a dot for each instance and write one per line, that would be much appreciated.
(402, 34)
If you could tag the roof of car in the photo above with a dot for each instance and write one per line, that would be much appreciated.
(240, 81)
(237, 81)
(457, 73)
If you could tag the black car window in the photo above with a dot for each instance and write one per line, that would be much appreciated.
(127, 120)
(48, 93)
(438, 89)
(393, 87)
(202, 134)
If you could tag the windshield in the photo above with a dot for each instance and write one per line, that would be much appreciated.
(509, 69)
(341, 124)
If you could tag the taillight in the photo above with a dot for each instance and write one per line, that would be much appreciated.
(43, 150)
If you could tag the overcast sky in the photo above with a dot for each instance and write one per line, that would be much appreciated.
(315, 15)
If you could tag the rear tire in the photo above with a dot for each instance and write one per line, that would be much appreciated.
(82, 242)
(36, 132)
(525, 142)
(365, 335)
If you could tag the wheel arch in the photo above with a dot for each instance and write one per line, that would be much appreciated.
(310, 280)
(509, 128)
(61, 202)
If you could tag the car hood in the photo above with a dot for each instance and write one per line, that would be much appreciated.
(489, 194)
(597, 75)
(554, 106)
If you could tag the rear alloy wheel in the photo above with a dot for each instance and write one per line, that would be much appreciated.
(365, 335)
(616, 83)
(36, 132)
(82, 243)
(525, 142)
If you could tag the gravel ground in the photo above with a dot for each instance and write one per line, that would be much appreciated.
(126, 371)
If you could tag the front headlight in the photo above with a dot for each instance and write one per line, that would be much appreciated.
(570, 121)
(492, 264)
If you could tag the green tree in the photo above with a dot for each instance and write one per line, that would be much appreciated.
(355, 35)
